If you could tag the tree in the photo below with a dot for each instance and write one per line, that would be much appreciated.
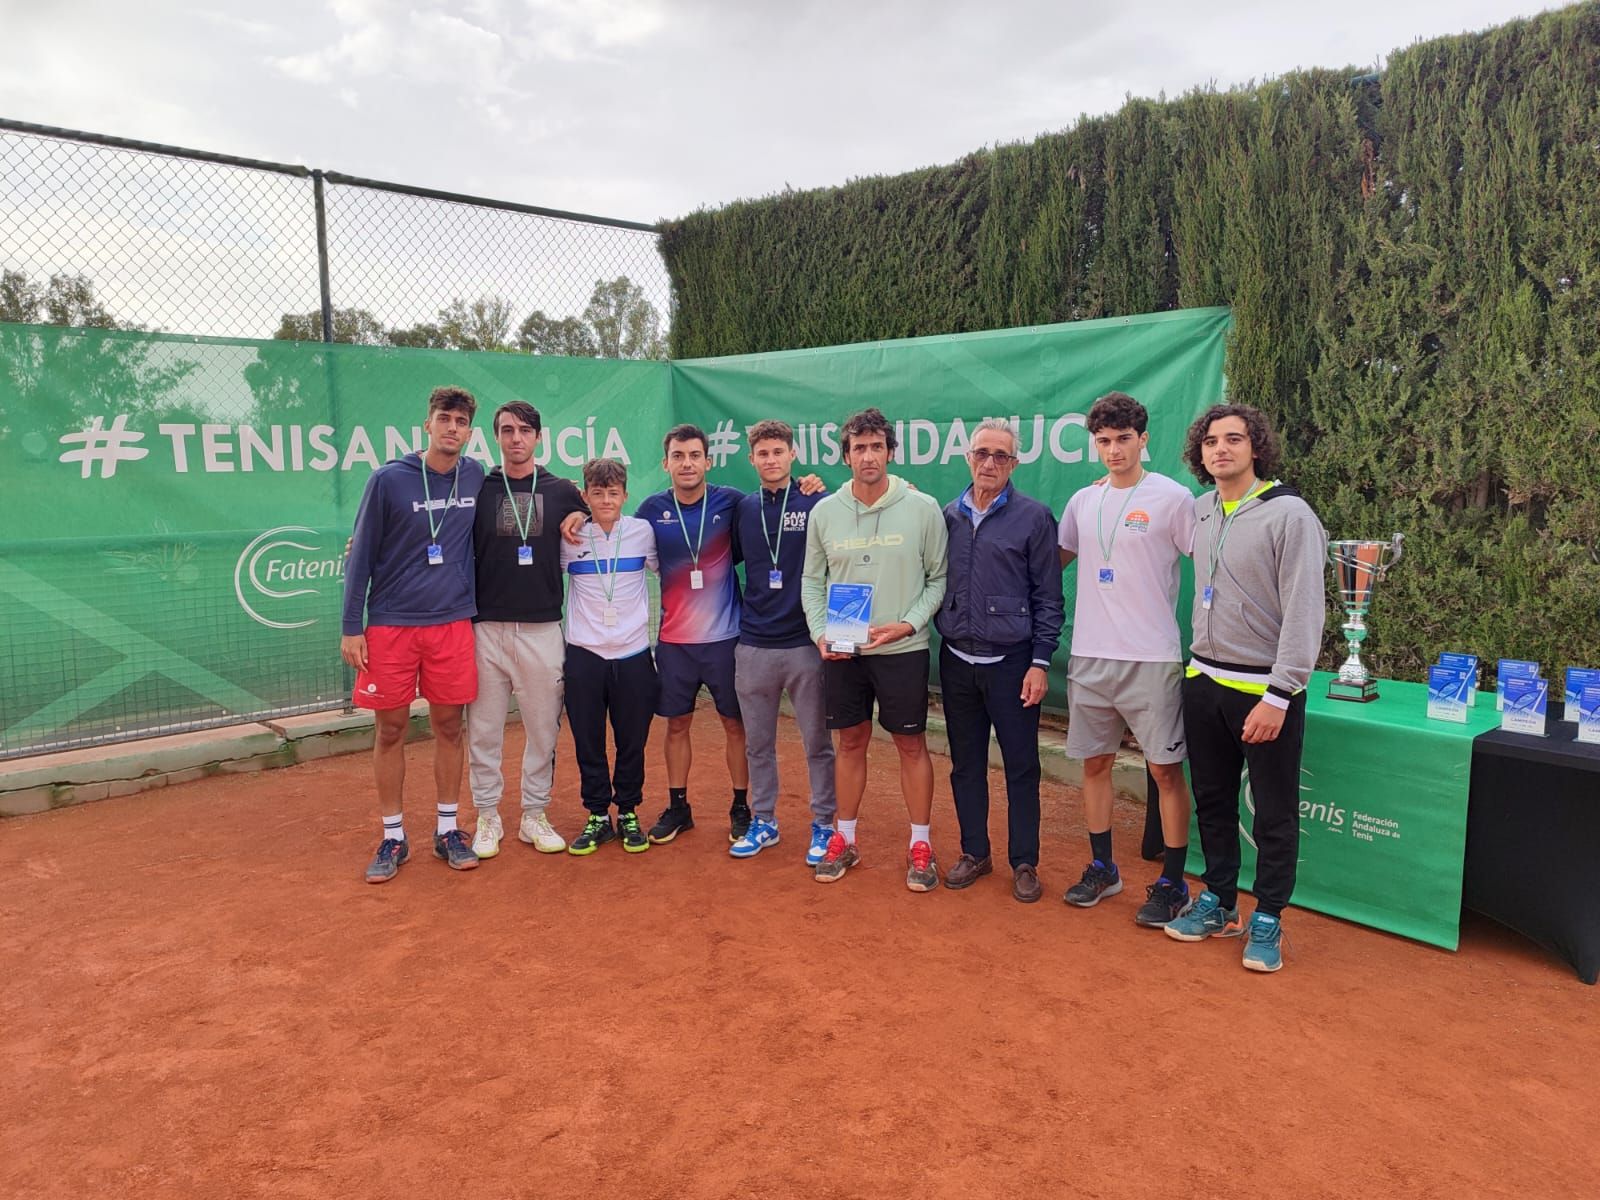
(625, 324)
(64, 382)
(541, 334)
(66, 300)
(482, 324)
(354, 326)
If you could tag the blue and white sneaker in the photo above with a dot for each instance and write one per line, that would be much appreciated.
(819, 843)
(1263, 949)
(757, 838)
(1204, 918)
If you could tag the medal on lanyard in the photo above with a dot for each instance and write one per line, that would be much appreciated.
(774, 544)
(435, 550)
(1210, 592)
(608, 588)
(1107, 577)
(697, 577)
(524, 551)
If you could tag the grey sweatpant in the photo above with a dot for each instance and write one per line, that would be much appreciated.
(528, 659)
(761, 676)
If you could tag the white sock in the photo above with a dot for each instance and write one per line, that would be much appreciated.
(447, 819)
(394, 828)
(920, 833)
(847, 830)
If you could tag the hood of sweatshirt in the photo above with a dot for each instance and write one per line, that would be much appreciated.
(896, 493)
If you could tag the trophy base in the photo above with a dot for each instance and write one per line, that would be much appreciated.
(1360, 693)
(842, 647)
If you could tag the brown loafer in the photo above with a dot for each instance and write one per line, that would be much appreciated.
(967, 871)
(1025, 884)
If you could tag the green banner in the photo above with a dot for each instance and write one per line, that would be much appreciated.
(1383, 811)
(173, 554)
(179, 506)
(936, 389)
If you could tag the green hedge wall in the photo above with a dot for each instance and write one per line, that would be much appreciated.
(1413, 263)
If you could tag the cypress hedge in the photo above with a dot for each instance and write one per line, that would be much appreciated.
(1413, 263)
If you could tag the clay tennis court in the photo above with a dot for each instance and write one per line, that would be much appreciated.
(202, 998)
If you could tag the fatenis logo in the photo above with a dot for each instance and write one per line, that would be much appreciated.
(1138, 521)
(281, 567)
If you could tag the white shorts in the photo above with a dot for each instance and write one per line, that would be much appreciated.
(1104, 695)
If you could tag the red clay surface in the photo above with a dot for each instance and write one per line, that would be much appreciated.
(202, 998)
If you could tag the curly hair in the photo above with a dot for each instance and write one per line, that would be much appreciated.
(770, 431)
(868, 420)
(1118, 410)
(1263, 442)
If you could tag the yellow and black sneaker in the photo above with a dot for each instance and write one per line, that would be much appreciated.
(633, 838)
(597, 831)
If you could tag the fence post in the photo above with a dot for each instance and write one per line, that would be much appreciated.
(325, 291)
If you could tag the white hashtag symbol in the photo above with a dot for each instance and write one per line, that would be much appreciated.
(724, 443)
(105, 446)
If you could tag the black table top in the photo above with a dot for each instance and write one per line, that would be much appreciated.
(1560, 748)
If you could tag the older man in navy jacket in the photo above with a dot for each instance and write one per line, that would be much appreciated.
(1000, 621)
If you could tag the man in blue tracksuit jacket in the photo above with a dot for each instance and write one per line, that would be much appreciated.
(775, 651)
(1000, 621)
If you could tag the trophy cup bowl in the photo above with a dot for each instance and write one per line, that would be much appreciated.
(1357, 568)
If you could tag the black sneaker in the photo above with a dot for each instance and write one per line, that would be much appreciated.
(738, 820)
(1164, 900)
(392, 853)
(456, 849)
(673, 821)
(633, 838)
(1098, 882)
(597, 831)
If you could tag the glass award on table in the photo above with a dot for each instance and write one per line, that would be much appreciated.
(1357, 567)
(1525, 702)
(1587, 714)
(849, 612)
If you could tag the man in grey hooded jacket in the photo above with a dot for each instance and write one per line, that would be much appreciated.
(1258, 615)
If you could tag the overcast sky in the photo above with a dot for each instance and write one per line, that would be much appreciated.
(652, 108)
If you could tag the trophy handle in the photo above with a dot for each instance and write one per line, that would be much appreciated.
(1394, 547)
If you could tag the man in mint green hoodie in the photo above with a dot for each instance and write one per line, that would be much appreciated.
(879, 531)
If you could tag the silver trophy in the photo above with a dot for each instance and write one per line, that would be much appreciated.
(1358, 566)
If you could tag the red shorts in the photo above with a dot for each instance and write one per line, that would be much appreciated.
(404, 661)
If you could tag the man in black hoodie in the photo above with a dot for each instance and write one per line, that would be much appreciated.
(517, 541)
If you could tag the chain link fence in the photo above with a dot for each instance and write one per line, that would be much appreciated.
(106, 231)
(101, 235)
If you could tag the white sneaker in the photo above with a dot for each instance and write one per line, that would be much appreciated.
(486, 840)
(536, 831)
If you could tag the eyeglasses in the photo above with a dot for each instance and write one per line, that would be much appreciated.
(999, 457)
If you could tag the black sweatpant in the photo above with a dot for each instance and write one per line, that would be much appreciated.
(1213, 723)
(975, 699)
(624, 689)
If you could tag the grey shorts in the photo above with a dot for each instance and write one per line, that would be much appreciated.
(1104, 694)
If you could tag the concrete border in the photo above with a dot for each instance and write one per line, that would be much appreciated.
(47, 781)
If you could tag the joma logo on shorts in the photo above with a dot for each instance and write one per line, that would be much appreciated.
(888, 539)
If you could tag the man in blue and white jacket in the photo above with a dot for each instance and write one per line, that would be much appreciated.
(1000, 621)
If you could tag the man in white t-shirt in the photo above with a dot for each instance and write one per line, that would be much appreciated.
(1127, 533)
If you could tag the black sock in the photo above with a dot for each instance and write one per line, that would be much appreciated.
(1172, 860)
(678, 797)
(741, 797)
(1100, 847)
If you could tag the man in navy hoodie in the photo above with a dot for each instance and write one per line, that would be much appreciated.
(1000, 621)
(409, 600)
(775, 651)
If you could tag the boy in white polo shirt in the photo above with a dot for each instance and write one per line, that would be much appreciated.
(609, 670)
(1127, 533)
